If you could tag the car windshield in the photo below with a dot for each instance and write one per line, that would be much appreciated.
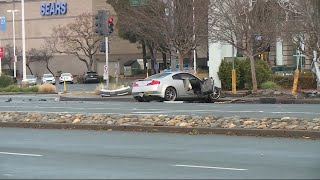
(66, 74)
(30, 77)
(158, 76)
(47, 75)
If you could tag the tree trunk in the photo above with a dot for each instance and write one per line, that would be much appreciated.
(253, 75)
(28, 66)
(164, 60)
(144, 56)
(152, 56)
(181, 58)
(47, 66)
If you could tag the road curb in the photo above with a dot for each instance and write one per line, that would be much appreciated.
(165, 129)
(22, 93)
(122, 98)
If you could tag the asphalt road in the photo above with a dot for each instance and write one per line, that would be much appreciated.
(72, 87)
(47, 103)
(43, 154)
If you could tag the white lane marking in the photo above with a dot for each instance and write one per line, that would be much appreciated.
(21, 154)
(209, 167)
(9, 175)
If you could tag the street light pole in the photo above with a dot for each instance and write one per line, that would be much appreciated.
(14, 43)
(24, 67)
(194, 40)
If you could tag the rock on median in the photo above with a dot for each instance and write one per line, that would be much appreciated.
(285, 123)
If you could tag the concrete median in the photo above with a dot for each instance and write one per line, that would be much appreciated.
(164, 129)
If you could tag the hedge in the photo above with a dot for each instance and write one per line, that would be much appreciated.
(304, 82)
(243, 73)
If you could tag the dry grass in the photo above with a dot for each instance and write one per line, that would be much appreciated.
(98, 88)
(49, 88)
(202, 75)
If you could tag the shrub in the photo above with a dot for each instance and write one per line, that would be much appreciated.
(31, 89)
(5, 81)
(47, 88)
(304, 82)
(269, 85)
(11, 88)
(243, 73)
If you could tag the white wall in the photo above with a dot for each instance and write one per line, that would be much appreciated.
(217, 52)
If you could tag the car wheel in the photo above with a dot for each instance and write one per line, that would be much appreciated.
(215, 95)
(170, 94)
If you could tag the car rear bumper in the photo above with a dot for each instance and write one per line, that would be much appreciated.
(148, 94)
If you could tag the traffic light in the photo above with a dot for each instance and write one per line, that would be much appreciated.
(101, 26)
(110, 25)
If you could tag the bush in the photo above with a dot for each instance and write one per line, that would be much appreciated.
(14, 88)
(243, 73)
(304, 82)
(5, 81)
(269, 85)
(31, 89)
(47, 88)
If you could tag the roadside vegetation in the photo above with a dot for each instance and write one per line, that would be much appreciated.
(7, 85)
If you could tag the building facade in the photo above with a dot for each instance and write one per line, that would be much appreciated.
(38, 26)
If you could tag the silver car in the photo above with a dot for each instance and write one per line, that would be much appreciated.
(30, 79)
(171, 86)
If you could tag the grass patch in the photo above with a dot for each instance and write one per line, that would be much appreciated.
(14, 88)
(269, 85)
(47, 88)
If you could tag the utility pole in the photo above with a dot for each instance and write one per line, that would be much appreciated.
(14, 43)
(24, 67)
(194, 40)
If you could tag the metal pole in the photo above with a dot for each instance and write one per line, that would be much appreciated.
(24, 67)
(107, 61)
(0, 62)
(194, 40)
(14, 47)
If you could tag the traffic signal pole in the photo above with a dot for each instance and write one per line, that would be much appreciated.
(107, 61)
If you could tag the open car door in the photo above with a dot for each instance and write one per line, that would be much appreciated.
(207, 86)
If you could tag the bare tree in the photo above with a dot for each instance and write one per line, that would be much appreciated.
(31, 56)
(8, 58)
(248, 26)
(165, 25)
(303, 25)
(77, 38)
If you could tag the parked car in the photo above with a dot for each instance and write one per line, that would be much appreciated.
(90, 77)
(48, 78)
(171, 86)
(66, 77)
(30, 79)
